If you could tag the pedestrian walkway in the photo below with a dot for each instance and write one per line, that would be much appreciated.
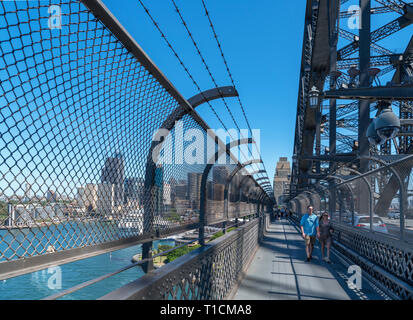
(279, 272)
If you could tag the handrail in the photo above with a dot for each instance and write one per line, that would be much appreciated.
(111, 274)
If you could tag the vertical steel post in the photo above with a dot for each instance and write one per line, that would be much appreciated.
(318, 137)
(333, 39)
(364, 105)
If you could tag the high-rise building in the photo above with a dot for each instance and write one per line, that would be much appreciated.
(282, 179)
(218, 192)
(51, 196)
(159, 187)
(105, 198)
(27, 192)
(167, 195)
(220, 174)
(87, 197)
(90, 197)
(194, 189)
(134, 190)
(173, 183)
(180, 192)
(80, 195)
(114, 173)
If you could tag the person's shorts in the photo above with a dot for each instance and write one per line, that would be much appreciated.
(326, 240)
(310, 240)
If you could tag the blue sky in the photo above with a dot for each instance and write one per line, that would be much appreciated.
(262, 43)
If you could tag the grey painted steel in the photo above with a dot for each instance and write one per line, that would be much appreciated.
(351, 193)
(201, 273)
(278, 271)
(364, 65)
(103, 15)
(375, 253)
(16, 268)
(213, 94)
(402, 194)
(395, 163)
(203, 196)
(387, 93)
(229, 179)
(385, 259)
(150, 171)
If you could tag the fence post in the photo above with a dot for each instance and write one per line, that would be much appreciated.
(203, 195)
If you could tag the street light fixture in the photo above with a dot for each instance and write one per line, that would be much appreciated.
(314, 96)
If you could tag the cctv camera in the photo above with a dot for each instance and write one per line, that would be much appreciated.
(387, 124)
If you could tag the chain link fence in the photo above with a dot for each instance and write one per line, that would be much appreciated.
(81, 108)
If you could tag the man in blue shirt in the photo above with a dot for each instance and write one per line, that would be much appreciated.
(310, 229)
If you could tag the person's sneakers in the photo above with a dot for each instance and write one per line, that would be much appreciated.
(328, 260)
(307, 260)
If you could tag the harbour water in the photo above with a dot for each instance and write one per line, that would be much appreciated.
(43, 283)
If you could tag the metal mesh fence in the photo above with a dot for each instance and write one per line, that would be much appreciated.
(372, 215)
(379, 202)
(78, 115)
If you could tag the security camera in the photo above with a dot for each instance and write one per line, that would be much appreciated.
(372, 135)
(387, 124)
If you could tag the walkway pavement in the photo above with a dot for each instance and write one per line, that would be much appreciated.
(279, 272)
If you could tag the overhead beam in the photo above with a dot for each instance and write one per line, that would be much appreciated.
(213, 94)
(373, 93)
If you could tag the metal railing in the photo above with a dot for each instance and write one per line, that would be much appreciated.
(373, 217)
(211, 272)
(80, 105)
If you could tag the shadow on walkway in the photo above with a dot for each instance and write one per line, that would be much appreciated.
(279, 272)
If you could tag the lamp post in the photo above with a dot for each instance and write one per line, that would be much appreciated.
(314, 101)
(314, 97)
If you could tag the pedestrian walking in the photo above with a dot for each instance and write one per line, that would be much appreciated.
(310, 230)
(326, 238)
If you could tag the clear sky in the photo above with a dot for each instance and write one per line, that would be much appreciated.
(262, 42)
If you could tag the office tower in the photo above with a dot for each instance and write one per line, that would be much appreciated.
(27, 192)
(194, 188)
(167, 195)
(80, 196)
(218, 192)
(180, 192)
(90, 197)
(114, 173)
(51, 196)
(220, 174)
(159, 187)
(105, 198)
(134, 190)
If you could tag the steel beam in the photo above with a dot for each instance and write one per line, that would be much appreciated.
(213, 94)
(229, 179)
(387, 93)
(203, 196)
